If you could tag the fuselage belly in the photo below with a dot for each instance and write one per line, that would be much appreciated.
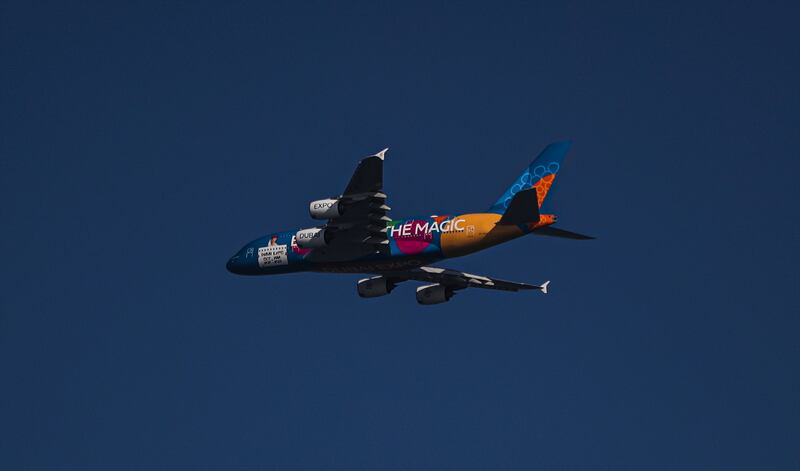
(412, 243)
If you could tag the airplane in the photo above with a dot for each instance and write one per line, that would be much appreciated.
(359, 237)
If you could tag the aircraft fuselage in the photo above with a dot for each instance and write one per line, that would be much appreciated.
(412, 243)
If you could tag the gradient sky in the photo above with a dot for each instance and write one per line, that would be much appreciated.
(143, 144)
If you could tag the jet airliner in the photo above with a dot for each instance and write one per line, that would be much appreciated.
(359, 236)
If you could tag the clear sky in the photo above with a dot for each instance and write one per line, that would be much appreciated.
(142, 144)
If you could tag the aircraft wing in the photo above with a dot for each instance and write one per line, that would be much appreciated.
(364, 221)
(459, 280)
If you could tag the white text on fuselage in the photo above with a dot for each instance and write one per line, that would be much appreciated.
(421, 229)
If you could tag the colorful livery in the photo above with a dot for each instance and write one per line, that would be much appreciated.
(360, 237)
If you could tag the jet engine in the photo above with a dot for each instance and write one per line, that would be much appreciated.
(326, 209)
(374, 287)
(312, 238)
(433, 294)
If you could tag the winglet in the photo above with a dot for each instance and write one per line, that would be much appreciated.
(381, 154)
(544, 286)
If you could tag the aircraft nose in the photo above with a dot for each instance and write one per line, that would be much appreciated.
(232, 264)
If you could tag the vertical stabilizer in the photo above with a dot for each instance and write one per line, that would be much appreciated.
(540, 174)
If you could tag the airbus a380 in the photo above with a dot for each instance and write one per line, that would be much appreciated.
(359, 236)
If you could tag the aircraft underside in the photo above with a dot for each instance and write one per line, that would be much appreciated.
(360, 237)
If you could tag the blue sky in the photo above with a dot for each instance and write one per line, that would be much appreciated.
(142, 144)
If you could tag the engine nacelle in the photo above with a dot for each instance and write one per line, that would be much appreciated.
(433, 294)
(374, 287)
(326, 209)
(312, 238)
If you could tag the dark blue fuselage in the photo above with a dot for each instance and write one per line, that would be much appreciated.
(278, 253)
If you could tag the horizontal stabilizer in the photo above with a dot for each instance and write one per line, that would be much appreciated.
(523, 209)
(556, 232)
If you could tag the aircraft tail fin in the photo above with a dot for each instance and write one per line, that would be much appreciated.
(540, 175)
